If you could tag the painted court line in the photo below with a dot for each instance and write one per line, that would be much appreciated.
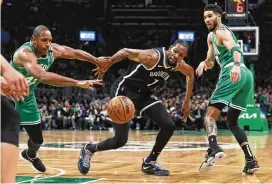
(37, 177)
(185, 163)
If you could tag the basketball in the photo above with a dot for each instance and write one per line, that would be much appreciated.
(121, 109)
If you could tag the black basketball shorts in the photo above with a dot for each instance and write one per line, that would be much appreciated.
(10, 122)
(142, 99)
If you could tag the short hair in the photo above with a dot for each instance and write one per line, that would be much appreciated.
(213, 7)
(183, 43)
(37, 31)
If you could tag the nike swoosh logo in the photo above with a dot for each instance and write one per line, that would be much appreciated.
(146, 167)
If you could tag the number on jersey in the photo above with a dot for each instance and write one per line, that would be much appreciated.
(31, 80)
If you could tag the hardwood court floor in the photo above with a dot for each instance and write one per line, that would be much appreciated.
(183, 155)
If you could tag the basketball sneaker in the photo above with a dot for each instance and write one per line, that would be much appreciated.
(251, 166)
(84, 161)
(154, 169)
(213, 155)
(36, 162)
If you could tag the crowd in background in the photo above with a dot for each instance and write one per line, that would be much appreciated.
(74, 108)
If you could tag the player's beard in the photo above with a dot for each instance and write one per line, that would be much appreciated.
(168, 61)
(214, 25)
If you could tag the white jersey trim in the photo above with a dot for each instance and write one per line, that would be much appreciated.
(124, 78)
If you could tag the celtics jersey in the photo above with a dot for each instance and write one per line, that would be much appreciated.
(226, 92)
(28, 110)
(45, 62)
(222, 55)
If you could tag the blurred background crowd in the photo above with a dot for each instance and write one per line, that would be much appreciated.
(119, 24)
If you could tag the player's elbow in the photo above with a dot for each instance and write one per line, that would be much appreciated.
(124, 52)
(191, 73)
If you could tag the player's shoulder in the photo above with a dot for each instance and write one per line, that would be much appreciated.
(22, 51)
(55, 46)
(152, 52)
(221, 30)
(210, 36)
(26, 47)
(158, 50)
(222, 27)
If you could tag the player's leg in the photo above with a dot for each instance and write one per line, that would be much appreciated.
(214, 151)
(9, 158)
(224, 92)
(10, 127)
(158, 114)
(118, 140)
(239, 134)
(34, 143)
(238, 104)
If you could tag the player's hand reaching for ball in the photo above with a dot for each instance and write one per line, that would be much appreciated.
(102, 67)
(89, 84)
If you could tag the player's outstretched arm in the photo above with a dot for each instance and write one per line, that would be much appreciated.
(225, 37)
(146, 57)
(189, 72)
(29, 61)
(61, 51)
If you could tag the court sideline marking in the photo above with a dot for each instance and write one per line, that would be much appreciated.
(37, 177)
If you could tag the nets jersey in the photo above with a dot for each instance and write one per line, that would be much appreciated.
(139, 76)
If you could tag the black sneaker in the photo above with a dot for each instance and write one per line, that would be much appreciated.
(213, 155)
(251, 167)
(36, 162)
(84, 160)
(154, 169)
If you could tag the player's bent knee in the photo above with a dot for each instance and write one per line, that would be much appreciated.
(209, 119)
(171, 126)
(120, 142)
(168, 124)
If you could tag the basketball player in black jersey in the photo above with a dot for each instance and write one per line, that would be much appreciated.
(151, 69)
